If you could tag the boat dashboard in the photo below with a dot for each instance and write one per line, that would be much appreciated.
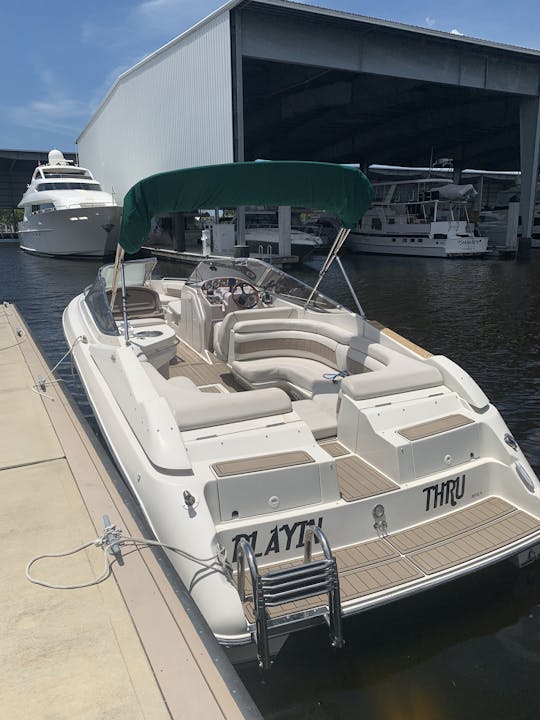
(234, 293)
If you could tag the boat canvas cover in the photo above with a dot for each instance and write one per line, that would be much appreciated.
(339, 190)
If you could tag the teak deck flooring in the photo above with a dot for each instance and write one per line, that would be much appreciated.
(190, 364)
(431, 547)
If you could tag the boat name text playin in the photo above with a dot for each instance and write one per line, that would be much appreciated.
(281, 538)
(448, 491)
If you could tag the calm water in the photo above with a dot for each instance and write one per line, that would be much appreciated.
(470, 650)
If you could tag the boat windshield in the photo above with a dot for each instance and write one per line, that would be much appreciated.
(266, 277)
(136, 272)
(98, 304)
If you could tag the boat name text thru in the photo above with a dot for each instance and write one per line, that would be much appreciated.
(282, 538)
(448, 491)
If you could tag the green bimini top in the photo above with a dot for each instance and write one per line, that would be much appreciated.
(339, 190)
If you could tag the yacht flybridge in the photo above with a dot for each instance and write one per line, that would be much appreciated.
(305, 463)
(66, 212)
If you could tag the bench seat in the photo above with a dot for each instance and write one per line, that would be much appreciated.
(308, 357)
(309, 377)
(193, 409)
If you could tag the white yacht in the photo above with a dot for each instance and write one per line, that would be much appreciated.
(300, 462)
(66, 213)
(425, 217)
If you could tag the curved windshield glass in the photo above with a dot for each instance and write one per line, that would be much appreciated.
(98, 304)
(266, 277)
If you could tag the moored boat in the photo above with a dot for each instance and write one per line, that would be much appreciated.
(426, 218)
(66, 212)
(301, 462)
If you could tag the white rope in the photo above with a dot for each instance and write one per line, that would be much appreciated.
(105, 574)
(39, 387)
(109, 539)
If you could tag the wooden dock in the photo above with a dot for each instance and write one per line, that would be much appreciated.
(131, 647)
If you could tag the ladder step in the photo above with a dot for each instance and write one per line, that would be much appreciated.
(300, 582)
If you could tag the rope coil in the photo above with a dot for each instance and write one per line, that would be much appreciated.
(113, 537)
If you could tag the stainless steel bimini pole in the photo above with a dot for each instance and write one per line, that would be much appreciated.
(342, 235)
(124, 306)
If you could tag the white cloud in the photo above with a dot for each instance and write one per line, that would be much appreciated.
(171, 17)
(52, 110)
(455, 32)
(430, 22)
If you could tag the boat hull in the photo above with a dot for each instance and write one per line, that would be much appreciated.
(89, 232)
(417, 245)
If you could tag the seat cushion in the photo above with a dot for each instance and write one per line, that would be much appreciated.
(321, 421)
(194, 409)
(223, 329)
(400, 374)
(310, 375)
(209, 409)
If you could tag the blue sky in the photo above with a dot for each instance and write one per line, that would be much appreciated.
(60, 57)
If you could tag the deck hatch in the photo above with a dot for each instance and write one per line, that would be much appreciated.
(335, 448)
(434, 427)
(260, 463)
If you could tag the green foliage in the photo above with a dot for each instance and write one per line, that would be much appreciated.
(6, 216)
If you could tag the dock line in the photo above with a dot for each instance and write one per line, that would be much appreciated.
(111, 543)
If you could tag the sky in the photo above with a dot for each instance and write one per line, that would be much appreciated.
(60, 58)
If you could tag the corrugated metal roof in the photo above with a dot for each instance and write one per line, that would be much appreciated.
(314, 10)
(391, 24)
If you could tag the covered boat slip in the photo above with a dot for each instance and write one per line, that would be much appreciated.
(126, 648)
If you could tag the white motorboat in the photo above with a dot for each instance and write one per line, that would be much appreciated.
(419, 217)
(262, 236)
(66, 213)
(306, 463)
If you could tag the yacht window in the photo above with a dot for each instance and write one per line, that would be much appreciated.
(45, 207)
(73, 172)
(67, 186)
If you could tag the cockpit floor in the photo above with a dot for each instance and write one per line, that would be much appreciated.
(190, 364)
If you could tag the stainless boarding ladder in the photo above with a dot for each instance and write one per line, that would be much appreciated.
(312, 577)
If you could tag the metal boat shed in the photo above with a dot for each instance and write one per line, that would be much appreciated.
(276, 79)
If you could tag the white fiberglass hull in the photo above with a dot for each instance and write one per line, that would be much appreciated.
(88, 232)
(453, 472)
(422, 246)
(266, 242)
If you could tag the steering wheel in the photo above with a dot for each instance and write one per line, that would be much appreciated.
(245, 295)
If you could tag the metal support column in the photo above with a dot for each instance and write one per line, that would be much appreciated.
(284, 224)
(529, 115)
